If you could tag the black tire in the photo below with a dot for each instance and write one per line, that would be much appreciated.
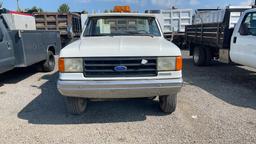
(199, 56)
(168, 103)
(208, 57)
(76, 106)
(49, 64)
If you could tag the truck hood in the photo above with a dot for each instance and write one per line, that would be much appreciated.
(120, 46)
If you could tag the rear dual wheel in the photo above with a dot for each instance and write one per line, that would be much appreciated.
(202, 56)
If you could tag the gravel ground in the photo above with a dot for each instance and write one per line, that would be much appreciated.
(216, 105)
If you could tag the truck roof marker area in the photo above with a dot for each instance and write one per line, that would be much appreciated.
(121, 9)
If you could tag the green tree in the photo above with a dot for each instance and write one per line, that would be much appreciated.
(34, 9)
(64, 8)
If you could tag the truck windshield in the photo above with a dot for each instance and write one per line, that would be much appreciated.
(121, 26)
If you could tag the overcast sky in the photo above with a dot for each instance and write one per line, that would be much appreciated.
(90, 5)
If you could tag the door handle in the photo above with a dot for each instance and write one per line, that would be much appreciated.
(234, 40)
(8, 45)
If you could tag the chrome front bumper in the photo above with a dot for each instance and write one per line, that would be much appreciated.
(119, 88)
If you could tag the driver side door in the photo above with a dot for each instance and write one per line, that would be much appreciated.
(243, 45)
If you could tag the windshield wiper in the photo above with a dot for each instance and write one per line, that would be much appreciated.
(151, 35)
(140, 34)
(101, 35)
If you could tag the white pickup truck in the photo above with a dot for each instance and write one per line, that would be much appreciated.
(120, 55)
(222, 42)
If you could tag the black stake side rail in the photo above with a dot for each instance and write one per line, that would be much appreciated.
(59, 21)
(214, 35)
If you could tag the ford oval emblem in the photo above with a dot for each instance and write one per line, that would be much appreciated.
(120, 68)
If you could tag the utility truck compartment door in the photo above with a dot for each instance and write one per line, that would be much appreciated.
(31, 47)
(6, 50)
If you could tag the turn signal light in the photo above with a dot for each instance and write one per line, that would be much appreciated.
(178, 63)
(61, 65)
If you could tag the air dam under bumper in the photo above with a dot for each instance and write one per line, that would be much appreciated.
(119, 89)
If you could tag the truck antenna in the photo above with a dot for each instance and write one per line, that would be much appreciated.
(1, 4)
(137, 5)
(18, 6)
(172, 4)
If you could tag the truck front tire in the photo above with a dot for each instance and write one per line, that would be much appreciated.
(76, 106)
(49, 63)
(168, 103)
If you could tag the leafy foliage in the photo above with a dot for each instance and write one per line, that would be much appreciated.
(64, 8)
(34, 9)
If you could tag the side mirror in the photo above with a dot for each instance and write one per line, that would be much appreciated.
(244, 30)
(70, 32)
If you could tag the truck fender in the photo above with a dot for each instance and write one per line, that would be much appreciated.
(52, 49)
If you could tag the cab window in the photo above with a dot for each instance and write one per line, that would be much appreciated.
(248, 26)
(122, 26)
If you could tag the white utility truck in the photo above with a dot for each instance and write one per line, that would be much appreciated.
(222, 42)
(120, 55)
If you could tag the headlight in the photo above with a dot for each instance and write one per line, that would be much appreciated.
(166, 63)
(74, 65)
(169, 63)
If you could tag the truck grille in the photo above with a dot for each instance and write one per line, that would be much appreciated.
(130, 67)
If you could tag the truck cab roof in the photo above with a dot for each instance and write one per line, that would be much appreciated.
(121, 14)
(250, 10)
